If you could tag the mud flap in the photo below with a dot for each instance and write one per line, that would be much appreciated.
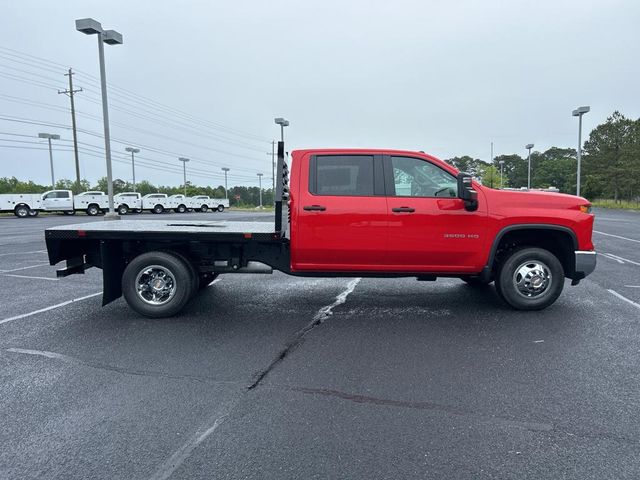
(112, 269)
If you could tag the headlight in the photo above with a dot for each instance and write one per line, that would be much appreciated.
(585, 208)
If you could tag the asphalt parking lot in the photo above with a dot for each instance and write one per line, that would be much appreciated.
(400, 379)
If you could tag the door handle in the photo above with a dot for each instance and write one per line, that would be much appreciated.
(403, 209)
(314, 208)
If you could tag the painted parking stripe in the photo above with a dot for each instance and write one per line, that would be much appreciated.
(22, 253)
(27, 276)
(617, 236)
(46, 309)
(622, 297)
(24, 268)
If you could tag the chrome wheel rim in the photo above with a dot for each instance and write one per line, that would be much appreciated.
(532, 279)
(155, 285)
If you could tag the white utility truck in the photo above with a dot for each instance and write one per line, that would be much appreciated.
(126, 202)
(156, 202)
(202, 203)
(180, 203)
(21, 204)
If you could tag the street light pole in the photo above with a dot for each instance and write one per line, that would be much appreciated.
(226, 192)
(133, 163)
(529, 147)
(578, 112)
(49, 137)
(501, 173)
(260, 188)
(90, 26)
(184, 172)
(283, 123)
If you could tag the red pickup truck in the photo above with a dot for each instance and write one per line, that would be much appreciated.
(346, 212)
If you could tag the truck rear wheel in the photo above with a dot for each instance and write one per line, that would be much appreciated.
(158, 209)
(204, 208)
(123, 210)
(157, 284)
(530, 278)
(181, 209)
(221, 208)
(21, 211)
(93, 210)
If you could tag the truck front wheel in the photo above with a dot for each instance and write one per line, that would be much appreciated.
(93, 210)
(204, 208)
(21, 211)
(123, 209)
(157, 284)
(530, 278)
(221, 208)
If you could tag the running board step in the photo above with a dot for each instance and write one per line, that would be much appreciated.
(252, 267)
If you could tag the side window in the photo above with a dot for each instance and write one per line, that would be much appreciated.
(63, 195)
(350, 175)
(49, 195)
(414, 177)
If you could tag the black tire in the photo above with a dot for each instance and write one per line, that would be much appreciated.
(33, 213)
(475, 281)
(21, 211)
(192, 271)
(69, 212)
(123, 209)
(93, 210)
(205, 279)
(204, 208)
(158, 209)
(539, 287)
(179, 278)
(181, 209)
(220, 208)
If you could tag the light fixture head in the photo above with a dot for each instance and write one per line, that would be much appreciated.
(529, 146)
(88, 26)
(580, 111)
(281, 121)
(51, 136)
(111, 37)
(183, 159)
(132, 150)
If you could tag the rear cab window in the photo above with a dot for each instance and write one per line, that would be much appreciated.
(345, 175)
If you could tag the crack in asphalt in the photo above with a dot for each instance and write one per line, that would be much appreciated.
(298, 338)
(111, 368)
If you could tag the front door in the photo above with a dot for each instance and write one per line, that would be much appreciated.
(341, 214)
(429, 228)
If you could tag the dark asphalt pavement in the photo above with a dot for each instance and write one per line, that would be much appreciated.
(398, 379)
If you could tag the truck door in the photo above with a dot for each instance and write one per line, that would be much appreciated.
(429, 228)
(57, 200)
(340, 220)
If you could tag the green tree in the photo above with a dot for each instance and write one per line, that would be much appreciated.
(612, 158)
(514, 169)
(490, 176)
(467, 164)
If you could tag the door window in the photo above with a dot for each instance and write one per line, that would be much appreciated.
(414, 177)
(350, 175)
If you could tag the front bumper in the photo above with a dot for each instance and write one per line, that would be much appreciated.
(585, 263)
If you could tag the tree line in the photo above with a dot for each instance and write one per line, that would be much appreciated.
(610, 164)
(610, 170)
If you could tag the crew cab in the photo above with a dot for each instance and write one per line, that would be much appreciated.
(378, 213)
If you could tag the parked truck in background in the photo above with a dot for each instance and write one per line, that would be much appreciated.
(179, 203)
(127, 202)
(350, 213)
(203, 203)
(21, 204)
(156, 202)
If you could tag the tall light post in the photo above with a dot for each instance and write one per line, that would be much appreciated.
(529, 147)
(578, 112)
(133, 151)
(49, 137)
(501, 162)
(273, 169)
(283, 123)
(260, 187)
(184, 172)
(226, 192)
(89, 26)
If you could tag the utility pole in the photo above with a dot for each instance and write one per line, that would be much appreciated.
(260, 188)
(70, 93)
(273, 169)
(226, 192)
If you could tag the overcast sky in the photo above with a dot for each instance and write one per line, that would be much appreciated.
(447, 77)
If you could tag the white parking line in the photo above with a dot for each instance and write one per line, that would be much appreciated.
(46, 309)
(620, 259)
(632, 286)
(606, 255)
(617, 236)
(24, 268)
(26, 276)
(622, 297)
(22, 253)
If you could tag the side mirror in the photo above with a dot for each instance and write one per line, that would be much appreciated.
(466, 192)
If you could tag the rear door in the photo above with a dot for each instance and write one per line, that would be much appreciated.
(341, 214)
(429, 228)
